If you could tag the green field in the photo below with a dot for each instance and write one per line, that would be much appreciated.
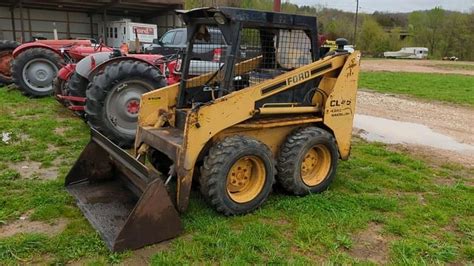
(383, 207)
(458, 89)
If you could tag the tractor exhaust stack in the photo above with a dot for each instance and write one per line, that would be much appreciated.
(124, 200)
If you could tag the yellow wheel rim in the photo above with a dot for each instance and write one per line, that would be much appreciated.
(246, 179)
(315, 165)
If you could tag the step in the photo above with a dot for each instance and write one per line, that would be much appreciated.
(167, 140)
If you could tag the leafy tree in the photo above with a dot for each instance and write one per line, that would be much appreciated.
(426, 28)
(372, 38)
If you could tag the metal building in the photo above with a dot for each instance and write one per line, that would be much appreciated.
(22, 20)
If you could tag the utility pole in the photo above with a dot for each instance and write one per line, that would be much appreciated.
(355, 23)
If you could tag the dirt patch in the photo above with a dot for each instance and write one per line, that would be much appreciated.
(61, 130)
(371, 245)
(25, 225)
(33, 170)
(421, 66)
(143, 256)
(450, 120)
(24, 137)
(52, 148)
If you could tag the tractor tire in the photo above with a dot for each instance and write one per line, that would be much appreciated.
(77, 85)
(34, 70)
(113, 98)
(6, 57)
(237, 175)
(307, 161)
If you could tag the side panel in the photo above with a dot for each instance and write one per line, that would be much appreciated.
(156, 103)
(205, 122)
(89, 62)
(340, 105)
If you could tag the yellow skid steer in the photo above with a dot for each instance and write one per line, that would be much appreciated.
(268, 110)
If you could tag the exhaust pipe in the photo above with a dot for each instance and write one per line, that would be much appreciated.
(126, 202)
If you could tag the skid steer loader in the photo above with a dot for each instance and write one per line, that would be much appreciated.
(277, 114)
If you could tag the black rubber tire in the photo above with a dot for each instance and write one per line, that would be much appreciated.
(291, 156)
(7, 46)
(77, 85)
(23, 58)
(221, 157)
(112, 76)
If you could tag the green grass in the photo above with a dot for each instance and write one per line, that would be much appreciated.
(422, 220)
(458, 89)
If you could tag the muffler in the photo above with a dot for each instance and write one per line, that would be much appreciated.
(126, 202)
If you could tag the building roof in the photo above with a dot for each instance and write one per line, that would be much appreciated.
(113, 7)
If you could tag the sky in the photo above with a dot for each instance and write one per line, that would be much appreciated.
(369, 6)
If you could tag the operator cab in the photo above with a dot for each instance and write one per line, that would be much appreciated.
(257, 46)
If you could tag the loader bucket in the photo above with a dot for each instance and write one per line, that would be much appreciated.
(124, 200)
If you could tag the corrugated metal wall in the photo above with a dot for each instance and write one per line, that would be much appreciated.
(38, 22)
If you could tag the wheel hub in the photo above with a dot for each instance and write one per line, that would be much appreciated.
(39, 73)
(239, 176)
(123, 104)
(309, 162)
(133, 106)
(246, 179)
(315, 165)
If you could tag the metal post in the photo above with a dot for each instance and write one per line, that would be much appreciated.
(21, 22)
(12, 14)
(104, 26)
(355, 23)
(29, 23)
(68, 30)
(91, 25)
(276, 5)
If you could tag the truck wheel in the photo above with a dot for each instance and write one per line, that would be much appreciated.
(237, 175)
(6, 50)
(34, 70)
(113, 98)
(307, 161)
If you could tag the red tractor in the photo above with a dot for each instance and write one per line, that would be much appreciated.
(36, 64)
(6, 56)
(105, 89)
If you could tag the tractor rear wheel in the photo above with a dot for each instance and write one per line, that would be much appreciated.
(113, 98)
(34, 70)
(6, 50)
(237, 175)
(77, 85)
(307, 161)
